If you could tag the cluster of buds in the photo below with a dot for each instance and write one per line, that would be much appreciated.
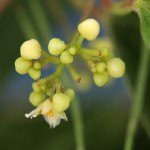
(49, 96)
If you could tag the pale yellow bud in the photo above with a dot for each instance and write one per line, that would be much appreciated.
(89, 29)
(66, 58)
(61, 102)
(30, 49)
(70, 93)
(22, 65)
(100, 79)
(116, 67)
(56, 46)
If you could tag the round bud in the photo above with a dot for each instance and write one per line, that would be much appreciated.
(37, 65)
(30, 49)
(34, 73)
(104, 52)
(100, 67)
(66, 58)
(56, 46)
(61, 102)
(70, 93)
(100, 79)
(116, 67)
(36, 98)
(36, 87)
(22, 65)
(89, 29)
(72, 50)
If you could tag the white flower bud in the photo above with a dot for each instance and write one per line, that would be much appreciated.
(30, 49)
(61, 102)
(66, 58)
(56, 46)
(116, 67)
(22, 65)
(89, 29)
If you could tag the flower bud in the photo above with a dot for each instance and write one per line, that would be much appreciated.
(36, 87)
(100, 79)
(70, 93)
(66, 58)
(36, 98)
(106, 53)
(37, 65)
(89, 29)
(61, 102)
(72, 50)
(56, 46)
(100, 67)
(30, 49)
(22, 65)
(34, 73)
(116, 67)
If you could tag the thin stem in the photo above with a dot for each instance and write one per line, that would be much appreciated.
(53, 59)
(80, 41)
(90, 52)
(138, 99)
(74, 39)
(78, 124)
(74, 74)
(52, 76)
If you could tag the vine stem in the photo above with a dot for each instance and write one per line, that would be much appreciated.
(138, 99)
(78, 124)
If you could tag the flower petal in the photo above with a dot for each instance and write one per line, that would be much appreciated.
(52, 121)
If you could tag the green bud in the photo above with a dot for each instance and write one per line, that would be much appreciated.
(22, 65)
(116, 67)
(66, 58)
(106, 53)
(36, 87)
(30, 49)
(72, 50)
(56, 46)
(100, 79)
(70, 93)
(34, 73)
(37, 65)
(61, 102)
(100, 67)
(37, 98)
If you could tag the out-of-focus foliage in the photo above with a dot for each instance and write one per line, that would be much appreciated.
(104, 110)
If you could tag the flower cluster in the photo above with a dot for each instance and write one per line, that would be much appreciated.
(49, 96)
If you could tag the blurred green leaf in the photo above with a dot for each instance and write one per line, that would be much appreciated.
(144, 13)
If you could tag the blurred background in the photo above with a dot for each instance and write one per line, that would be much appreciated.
(104, 110)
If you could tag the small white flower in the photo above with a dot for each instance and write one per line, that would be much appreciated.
(52, 117)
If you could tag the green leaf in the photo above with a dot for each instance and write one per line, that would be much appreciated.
(143, 7)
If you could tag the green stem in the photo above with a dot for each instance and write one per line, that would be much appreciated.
(52, 76)
(90, 52)
(80, 41)
(74, 38)
(78, 124)
(74, 74)
(138, 99)
(51, 58)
